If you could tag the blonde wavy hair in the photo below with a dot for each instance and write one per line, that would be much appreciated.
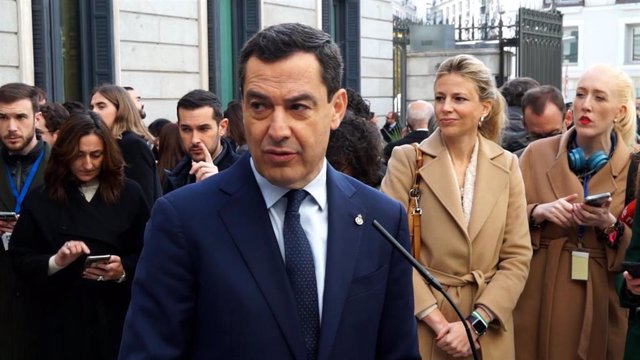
(473, 69)
(127, 115)
(623, 91)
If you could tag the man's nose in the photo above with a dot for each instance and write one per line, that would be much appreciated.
(12, 125)
(279, 127)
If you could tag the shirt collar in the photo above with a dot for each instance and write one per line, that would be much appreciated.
(317, 188)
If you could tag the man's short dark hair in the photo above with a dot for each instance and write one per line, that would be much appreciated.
(196, 99)
(537, 98)
(74, 107)
(54, 115)
(280, 41)
(12, 92)
(514, 89)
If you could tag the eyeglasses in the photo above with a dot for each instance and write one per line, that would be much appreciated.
(534, 137)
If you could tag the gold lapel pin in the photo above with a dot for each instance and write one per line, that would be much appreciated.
(359, 220)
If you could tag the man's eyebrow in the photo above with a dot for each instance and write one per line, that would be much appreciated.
(301, 97)
(256, 94)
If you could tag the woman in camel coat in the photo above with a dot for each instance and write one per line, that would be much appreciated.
(562, 315)
(474, 232)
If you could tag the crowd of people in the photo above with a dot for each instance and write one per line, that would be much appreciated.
(246, 232)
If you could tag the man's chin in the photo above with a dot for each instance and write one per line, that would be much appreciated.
(14, 147)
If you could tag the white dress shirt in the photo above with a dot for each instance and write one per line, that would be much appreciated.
(314, 218)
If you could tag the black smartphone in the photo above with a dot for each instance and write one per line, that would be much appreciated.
(597, 200)
(632, 267)
(95, 259)
(8, 215)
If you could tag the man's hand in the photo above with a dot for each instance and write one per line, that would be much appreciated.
(7, 225)
(203, 169)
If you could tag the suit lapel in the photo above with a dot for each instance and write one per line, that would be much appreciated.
(344, 237)
(258, 247)
(486, 193)
(438, 175)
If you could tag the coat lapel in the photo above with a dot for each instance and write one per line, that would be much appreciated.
(438, 175)
(7, 201)
(258, 247)
(344, 237)
(486, 193)
(605, 179)
(562, 181)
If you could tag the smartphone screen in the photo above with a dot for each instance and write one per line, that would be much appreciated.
(96, 259)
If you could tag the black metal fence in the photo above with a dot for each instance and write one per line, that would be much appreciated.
(540, 46)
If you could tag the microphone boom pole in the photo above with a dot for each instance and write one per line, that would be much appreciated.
(429, 278)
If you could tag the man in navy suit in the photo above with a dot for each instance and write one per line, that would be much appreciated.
(214, 280)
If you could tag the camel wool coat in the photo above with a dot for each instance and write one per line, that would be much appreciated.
(557, 317)
(485, 263)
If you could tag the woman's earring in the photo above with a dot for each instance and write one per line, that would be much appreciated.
(481, 121)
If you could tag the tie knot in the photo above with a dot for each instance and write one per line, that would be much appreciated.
(295, 199)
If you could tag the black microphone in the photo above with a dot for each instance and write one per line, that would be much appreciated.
(429, 278)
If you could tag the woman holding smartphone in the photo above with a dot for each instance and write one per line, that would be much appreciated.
(569, 308)
(77, 243)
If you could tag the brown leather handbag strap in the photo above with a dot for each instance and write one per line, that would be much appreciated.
(414, 211)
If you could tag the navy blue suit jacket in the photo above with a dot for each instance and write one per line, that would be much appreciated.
(211, 282)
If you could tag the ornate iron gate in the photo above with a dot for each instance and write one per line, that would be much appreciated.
(540, 46)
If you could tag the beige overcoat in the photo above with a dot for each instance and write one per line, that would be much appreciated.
(556, 317)
(485, 263)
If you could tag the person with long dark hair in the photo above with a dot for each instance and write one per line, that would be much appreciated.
(86, 208)
(170, 149)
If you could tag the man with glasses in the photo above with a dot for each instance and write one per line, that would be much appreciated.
(542, 113)
(23, 159)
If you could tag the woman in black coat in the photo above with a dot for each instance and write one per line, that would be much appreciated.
(86, 208)
(115, 107)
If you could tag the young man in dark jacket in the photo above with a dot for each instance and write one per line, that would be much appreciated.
(202, 127)
(23, 158)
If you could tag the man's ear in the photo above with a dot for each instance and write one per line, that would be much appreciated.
(222, 126)
(339, 104)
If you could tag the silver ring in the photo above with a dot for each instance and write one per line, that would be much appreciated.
(100, 278)
(67, 244)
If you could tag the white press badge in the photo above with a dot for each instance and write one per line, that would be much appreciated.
(579, 265)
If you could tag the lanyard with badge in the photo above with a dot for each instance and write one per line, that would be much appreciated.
(580, 257)
(19, 197)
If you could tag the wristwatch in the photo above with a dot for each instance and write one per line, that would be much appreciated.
(477, 323)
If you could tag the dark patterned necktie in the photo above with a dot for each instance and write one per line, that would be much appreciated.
(301, 271)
